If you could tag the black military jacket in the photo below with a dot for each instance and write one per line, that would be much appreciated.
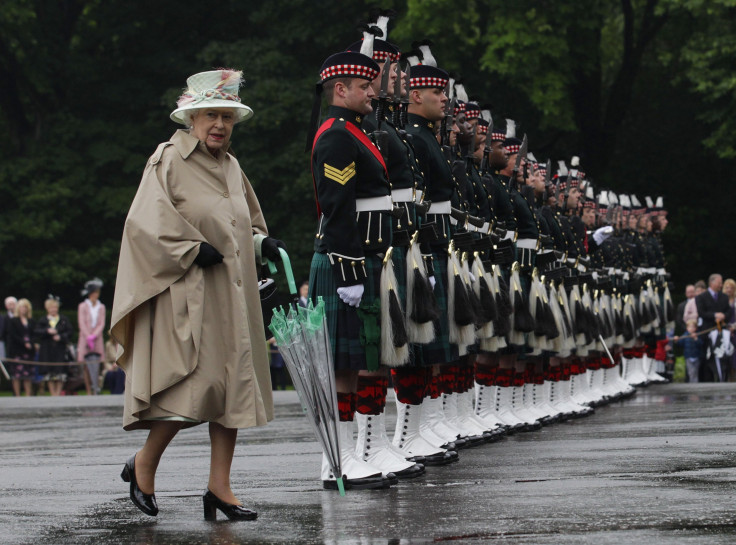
(347, 166)
(439, 183)
(503, 207)
(400, 161)
(526, 221)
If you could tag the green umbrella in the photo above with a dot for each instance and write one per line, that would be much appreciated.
(303, 340)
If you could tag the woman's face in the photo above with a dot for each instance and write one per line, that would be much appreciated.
(22, 311)
(213, 126)
(94, 295)
(729, 289)
(53, 310)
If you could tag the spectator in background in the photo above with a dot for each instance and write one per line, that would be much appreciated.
(53, 332)
(729, 288)
(5, 317)
(713, 309)
(91, 318)
(303, 293)
(691, 309)
(692, 346)
(680, 314)
(20, 347)
(114, 376)
(278, 370)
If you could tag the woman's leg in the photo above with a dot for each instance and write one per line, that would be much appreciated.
(222, 440)
(147, 459)
(28, 387)
(16, 387)
(87, 382)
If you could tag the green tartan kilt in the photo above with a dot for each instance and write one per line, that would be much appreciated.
(440, 350)
(343, 323)
(398, 257)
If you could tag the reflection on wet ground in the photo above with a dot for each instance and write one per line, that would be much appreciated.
(658, 468)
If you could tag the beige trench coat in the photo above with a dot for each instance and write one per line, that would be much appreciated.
(191, 340)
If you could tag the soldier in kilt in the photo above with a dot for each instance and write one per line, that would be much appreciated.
(424, 422)
(354, 206)
(373, 444)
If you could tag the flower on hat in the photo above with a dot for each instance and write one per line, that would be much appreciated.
(213, 89)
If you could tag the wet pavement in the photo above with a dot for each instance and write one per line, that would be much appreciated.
(657, 468)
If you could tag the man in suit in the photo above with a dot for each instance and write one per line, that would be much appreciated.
(713, 308)
(5, 317)
(679, 318)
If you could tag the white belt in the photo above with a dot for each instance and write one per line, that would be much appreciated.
(377, 204)
(442, 207)
(571, 261)
(453, 221)
(403, 195)
(527, 243)
(418, 195)
(509, 235)
(486, 228)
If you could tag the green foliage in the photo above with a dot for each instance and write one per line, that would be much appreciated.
(88, 86)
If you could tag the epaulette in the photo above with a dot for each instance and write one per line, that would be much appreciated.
(156, 157)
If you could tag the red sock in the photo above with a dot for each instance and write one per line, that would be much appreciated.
(346, 406)
(409, 384)
(504, 377)
(485, 376)
(518, 378)
(371, 395)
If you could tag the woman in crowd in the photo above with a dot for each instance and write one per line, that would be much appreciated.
(729, 288)
(53, 332)
(90, 348)
(20, 341)
(187, 311)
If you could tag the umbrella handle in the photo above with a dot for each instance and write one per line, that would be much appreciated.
(287, 270)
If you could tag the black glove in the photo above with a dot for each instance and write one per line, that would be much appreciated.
(208, 256)
(270, 248)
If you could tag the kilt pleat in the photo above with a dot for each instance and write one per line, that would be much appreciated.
(343, 323)
(440, 350)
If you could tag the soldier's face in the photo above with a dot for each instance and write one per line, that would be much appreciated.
(431, 102)
(357, 96)
(573, 198)
(480, 141)
(498, 158)
(376, 83)
(454, 133)
(588, 217)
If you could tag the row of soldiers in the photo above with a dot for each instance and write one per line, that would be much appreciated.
(499, 293)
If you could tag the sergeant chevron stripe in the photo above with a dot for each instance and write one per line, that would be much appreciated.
(340, 176)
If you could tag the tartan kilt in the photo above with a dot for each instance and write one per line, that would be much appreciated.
(398, 258)
(440, 350)
(343, 323)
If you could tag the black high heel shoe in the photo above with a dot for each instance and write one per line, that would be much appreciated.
(234, 512)
(144, 502)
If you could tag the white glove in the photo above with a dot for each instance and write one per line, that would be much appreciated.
(432, 281)
(351, 295)
(602, 234)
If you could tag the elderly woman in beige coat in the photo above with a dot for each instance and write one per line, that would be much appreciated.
(187, 313)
